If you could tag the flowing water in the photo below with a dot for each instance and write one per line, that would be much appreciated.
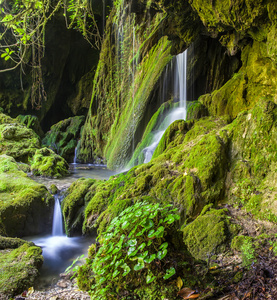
(57, 227)
(180, 94)
(59, 251)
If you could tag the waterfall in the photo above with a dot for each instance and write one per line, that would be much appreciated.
(57, 227)
(180, 94)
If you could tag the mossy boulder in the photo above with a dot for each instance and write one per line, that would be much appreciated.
(76, 199)
(207, 234)
(196, 110)
(189, 171)
(46, 162)
(17, 140)
(26, 206)
(19, 264)
(63, 137)
(31, 122)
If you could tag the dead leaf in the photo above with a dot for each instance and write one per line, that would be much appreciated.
(187, 293)
(30, 291)
(179, 283)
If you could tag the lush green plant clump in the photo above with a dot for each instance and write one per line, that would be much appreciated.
(132, 251)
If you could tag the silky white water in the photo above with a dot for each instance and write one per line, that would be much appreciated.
(179, 93)
(57, 225)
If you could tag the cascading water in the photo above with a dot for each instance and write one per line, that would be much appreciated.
(57, 227)
(75, 156)
(180, 93)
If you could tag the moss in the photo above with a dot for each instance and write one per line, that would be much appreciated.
(25, 204)
(18, 141)
(63, 136)
(120, 142)
(19, 268)
(207, 234)
(196, 110)
(46, 163)
(11, 243)
(73, 205)
(245, 245)
(154, 123)
(53, 189)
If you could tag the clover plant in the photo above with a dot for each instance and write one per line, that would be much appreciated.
(133, 249)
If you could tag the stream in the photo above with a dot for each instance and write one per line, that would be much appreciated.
(59, 251)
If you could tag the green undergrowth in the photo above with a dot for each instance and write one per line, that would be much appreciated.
(130, 249)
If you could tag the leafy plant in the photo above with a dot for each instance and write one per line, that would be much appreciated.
(133, 250)
(73, 267)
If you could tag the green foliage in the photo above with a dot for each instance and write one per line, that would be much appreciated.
(131, 247)
(74, 267)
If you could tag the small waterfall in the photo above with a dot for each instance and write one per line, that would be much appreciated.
(57, 227)
(75, 156)
(180, 94)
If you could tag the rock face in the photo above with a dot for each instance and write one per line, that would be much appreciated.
(26, 206)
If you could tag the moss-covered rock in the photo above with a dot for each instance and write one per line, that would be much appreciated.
(190, 172)
(19, 263)
(252, 177)
(196, 110)
(47, 163)
(63, 136)
(17, 140)
(76, 199)
(26, 206)
(207, 234)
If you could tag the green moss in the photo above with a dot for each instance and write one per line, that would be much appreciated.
(207, 234)
(25, 204)
(244, 244)
(46, 162)
(19, 268)
(154, 123)
(74, 204)
(196, 110)
(63, 136)
(18, 141)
